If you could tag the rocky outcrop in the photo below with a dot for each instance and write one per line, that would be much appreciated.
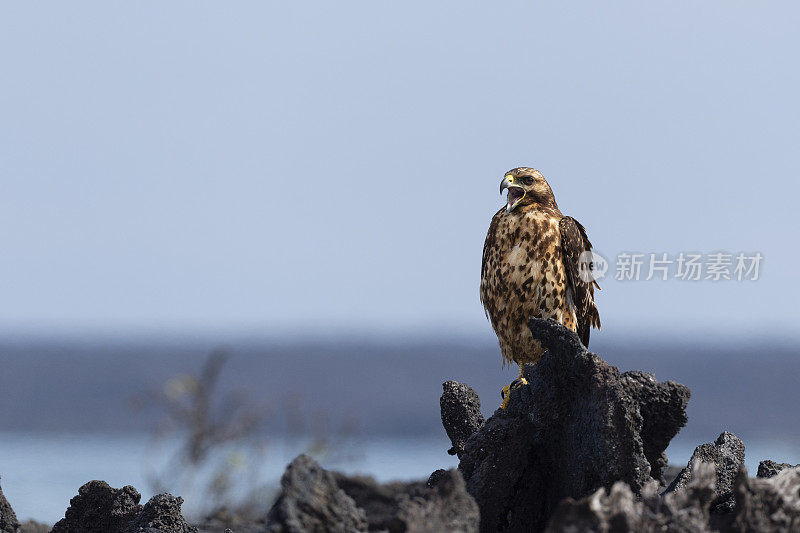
(577, 426)
(310, 500)
(765, 504)
(770, 468)
(663, 410)
(726, 455)
(8, 520)
(461, 414)
(771, 504)
(99, 508)
(380, 501)
(163, 514)
(313, 499)
(619, 509)
(443, 505)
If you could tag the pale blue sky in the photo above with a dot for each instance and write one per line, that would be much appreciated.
(309, 167)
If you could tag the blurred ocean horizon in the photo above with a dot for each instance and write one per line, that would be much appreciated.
(373, 385)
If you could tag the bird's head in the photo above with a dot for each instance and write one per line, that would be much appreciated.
(526, 186)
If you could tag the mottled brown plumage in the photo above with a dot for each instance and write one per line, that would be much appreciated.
(532, 268)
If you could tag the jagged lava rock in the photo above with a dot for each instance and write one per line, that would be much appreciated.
(248, 518)
(577, 426)
(461, 414)
(663, 410)
(163, 514)
(8, 520)
(770, 468)
(765, 504)
(444, 506)
(380, 501)
(726, 454)
(311, 501)
(99, 508)
(620, 510)
(768, 504)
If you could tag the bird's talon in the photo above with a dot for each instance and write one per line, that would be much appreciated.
(519, 382)
(505, 392)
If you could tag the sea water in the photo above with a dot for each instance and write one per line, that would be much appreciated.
(42, 471)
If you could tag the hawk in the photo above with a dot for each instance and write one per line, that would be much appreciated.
(535, 264)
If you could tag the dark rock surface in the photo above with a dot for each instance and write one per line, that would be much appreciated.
(162, 513)
(771, 504)
(434, 478)
(313, 499)
(765, 504)
(663, 410)
(444, 506)
(461, 414)
(619, 509)
(577, 426)
(726, 454)
(770, 468)
(310, 500)
(380, 501)
(99, 508)
(8, 520)
(246, 519)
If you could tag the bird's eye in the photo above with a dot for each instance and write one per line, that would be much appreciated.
(527, 180)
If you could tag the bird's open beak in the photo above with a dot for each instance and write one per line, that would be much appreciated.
(515, 193)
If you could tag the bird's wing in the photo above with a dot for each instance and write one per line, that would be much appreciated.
(488, 245)
(574, 242)
(489, 242)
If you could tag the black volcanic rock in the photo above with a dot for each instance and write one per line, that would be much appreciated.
(770, 468)
(762, 504)
(380, 501)
(8, 520)
(727, 456)
(663, 410)
(310, 500)
(461, 414)
(445, 506)
(313, 499)
(163, 514)
(619, 509)
(577, 426)
(765, 504)
(99, 508)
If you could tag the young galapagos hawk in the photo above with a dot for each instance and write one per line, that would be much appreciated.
(534, 265)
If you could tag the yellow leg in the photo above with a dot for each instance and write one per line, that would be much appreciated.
(506, 391)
